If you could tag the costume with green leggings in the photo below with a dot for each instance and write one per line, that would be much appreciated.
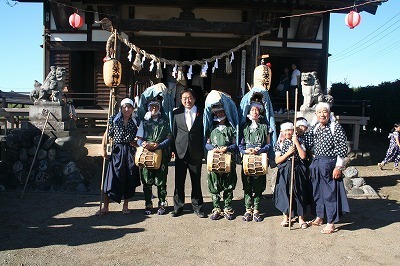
(254, 186)
(156, 131)
(222, 136)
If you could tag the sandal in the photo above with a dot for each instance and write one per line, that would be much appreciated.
(101, 213)
(216, 214)
(284, 223)
(304, 225)
(126, 211)
(314, 223)
(257, 217)
(228, 214)
(247, 217)
(147, 211)
(329, 231)
(161, 211)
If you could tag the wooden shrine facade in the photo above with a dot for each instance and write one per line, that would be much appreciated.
(188, 30)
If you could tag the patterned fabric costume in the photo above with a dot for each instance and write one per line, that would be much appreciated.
(223, 136)
(306, 138)
(282, 188)
(254, 186)
(156, 131)
(393, 152)
(329, 145)
(122, 174)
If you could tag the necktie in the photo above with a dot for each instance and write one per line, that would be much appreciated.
(189, 119)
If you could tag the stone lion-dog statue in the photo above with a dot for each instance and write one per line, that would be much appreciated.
(51, 89)
(313, 92)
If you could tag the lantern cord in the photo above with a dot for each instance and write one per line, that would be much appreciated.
(115, 43)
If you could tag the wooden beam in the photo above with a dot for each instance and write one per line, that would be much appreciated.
(237, 28)
(150, 41)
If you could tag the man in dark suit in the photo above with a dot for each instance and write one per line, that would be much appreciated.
(189, 150)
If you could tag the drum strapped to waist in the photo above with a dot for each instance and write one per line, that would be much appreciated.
(255, 164)
(219, 162)
(148, 159)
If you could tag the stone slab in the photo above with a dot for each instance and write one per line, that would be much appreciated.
(39, 113)
(51, 125)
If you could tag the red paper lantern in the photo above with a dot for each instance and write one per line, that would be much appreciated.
(76, 21)
(352, 19)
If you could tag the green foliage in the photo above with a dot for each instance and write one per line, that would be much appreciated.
(341, 91)
(384, 108)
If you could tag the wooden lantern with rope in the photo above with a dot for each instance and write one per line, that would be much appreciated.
(112, 69)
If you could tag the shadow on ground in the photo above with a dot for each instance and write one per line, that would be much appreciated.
(43, 219)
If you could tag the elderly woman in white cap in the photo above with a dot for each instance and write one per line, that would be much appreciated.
(154, 133)
(255, 141)
(330, 149)
(122, 176)
(290, 148)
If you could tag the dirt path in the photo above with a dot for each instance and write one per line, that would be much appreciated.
(60, 229)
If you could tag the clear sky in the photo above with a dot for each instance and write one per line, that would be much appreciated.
(366, 55)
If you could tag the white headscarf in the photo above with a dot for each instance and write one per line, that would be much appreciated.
(286, 125)
(119, 115)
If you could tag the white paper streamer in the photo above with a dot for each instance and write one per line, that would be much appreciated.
(232, 57)
(143, 58)
(204, 70)
(151, 65)
(190, 73)
(130, 55)
(174, 70)
(215, 65)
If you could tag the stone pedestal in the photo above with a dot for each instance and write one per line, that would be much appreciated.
(52, 154)
(59, 119)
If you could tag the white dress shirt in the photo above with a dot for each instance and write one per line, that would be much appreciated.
(190, 115)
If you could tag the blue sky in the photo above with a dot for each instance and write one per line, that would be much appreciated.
(366, 55)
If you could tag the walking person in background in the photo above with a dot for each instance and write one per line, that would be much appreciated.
(295, 82)
(187, 130)
(284, 82)
(330, 149)
(122, 176)
(393, 152)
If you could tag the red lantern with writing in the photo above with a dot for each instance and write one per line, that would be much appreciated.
(352, 19)
(76, 21)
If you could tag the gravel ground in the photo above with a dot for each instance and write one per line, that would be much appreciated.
(61, 229)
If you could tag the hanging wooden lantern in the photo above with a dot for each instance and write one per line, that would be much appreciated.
(352, 19)
(76, 21)
(112, 72)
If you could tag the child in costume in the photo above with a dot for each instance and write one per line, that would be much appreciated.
(287, 149)
(393, 152)
(154, 133)
(255, 141)
(222, 139)
(304, 136)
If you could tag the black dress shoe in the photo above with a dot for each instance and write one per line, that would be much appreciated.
(176, 213)
(201, 214)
